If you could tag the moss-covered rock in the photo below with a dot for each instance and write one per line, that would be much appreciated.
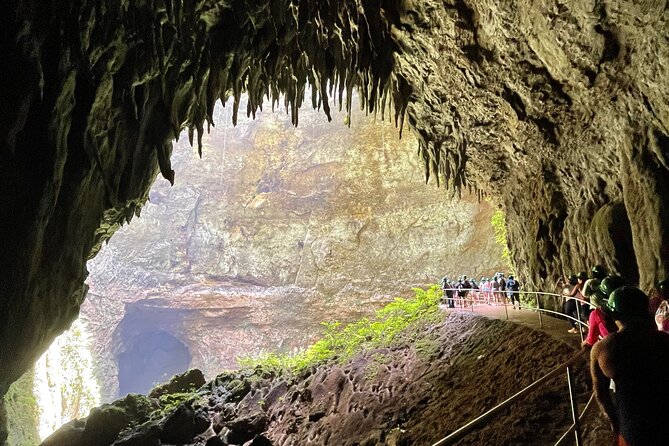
(188, 381)
(105, 423)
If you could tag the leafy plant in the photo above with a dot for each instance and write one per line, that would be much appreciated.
(499, 227)
(342, 342)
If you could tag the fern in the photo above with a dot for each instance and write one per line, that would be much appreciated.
(342, 343)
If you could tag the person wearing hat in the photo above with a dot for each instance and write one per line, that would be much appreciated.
(633, 362)
(600, 322)
(573, 298)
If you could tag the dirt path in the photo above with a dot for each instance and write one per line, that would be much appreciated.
(595, 428)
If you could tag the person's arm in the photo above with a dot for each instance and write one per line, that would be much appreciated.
(593, 330)
(601, 383)
(573, 291)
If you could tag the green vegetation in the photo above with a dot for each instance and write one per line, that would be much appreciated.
(78, 388)
(169, 403)
(22, 412)
(499, 226)
(341, 343)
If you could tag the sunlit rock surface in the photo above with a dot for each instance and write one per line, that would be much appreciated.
(275, 230)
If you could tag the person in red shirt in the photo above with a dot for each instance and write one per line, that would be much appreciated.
(600, 322)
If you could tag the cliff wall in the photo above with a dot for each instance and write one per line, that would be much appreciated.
(275, 230)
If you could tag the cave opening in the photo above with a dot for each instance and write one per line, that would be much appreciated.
(276, 229)
(150, 358)
(91, 111)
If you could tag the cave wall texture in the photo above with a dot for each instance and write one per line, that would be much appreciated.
(556, 109)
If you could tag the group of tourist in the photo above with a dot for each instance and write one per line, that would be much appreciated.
(586, 299)
(628, 332)
(490, 290)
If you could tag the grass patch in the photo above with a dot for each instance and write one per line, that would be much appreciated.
(343, 342)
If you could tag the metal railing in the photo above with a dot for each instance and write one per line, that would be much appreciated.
(500, 298)
(574, 429)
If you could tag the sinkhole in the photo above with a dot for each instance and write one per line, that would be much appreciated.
(274, 231)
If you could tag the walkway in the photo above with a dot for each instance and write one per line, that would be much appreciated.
(551, 325)
(594, 428)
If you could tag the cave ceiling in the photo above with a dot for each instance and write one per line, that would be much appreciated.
(556, 110)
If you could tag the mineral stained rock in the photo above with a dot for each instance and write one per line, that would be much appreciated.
(274, 231)
(568, 97)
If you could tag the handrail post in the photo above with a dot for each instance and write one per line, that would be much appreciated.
(574, 409)
(579, 322)
(541, 320)
(506, 308)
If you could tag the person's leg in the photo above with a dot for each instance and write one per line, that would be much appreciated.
(570, 310)
(584, 313)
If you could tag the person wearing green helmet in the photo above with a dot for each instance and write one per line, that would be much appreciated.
(600, 323)
(609, 284)
(597, 274)
(633, 362)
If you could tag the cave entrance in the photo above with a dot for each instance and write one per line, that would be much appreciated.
(150, 358)
(275, 230)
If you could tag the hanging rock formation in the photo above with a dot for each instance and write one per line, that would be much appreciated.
(568, 97)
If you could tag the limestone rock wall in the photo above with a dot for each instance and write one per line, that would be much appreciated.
(571, 100)
(275, 230)
(569, 96)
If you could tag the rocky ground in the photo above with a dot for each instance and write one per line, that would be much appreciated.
(427, 384)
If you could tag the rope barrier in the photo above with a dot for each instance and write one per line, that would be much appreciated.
(574, 428)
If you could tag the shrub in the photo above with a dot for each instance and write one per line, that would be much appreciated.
(343, 342)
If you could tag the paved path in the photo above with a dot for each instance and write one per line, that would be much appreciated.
(549, 324)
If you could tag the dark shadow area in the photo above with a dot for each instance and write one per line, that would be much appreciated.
(150, 358)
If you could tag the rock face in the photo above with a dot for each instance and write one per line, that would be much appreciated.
(276, 230)
(414, 392)
(570, 98)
